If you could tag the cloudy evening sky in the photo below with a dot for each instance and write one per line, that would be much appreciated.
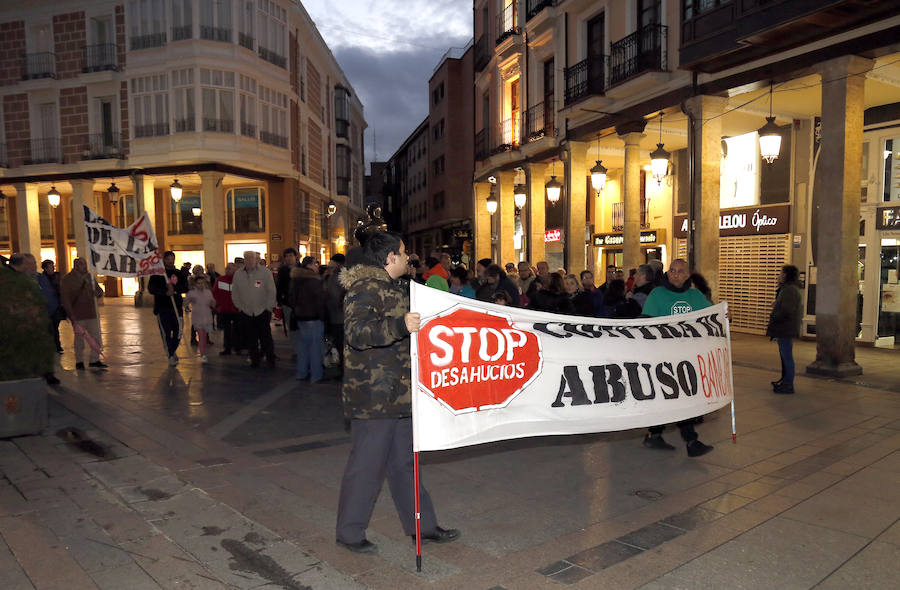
(388, 49)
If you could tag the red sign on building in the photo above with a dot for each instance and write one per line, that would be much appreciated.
(552, 235)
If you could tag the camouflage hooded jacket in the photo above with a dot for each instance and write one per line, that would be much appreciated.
(376, 345)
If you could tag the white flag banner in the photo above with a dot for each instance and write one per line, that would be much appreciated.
(122, 252)
(483, 372)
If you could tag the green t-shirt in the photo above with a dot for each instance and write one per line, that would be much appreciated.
(662, 301)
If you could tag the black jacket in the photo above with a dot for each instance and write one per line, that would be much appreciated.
(306, 296)
(787, 312)
(157, 285)
(283, 284)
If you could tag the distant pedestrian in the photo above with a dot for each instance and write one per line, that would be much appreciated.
(613, 303)
(497, 280)
(587, 281)
(675, 296)
(784, 325)
(643, 285)
(48, 280)
(197, 272)
(377, 397)
(550, 294)
(253, 292)
(201, 304)
(167, 293)
(289, 260)
(307, 299)
(229, 315)
(79, 292)
(578, 300)
(459, 283)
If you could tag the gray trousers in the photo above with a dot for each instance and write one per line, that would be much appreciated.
(381, 448)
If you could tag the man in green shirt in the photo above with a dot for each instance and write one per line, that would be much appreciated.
(675, 296)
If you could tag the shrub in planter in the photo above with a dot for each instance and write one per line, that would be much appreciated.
(26, 354)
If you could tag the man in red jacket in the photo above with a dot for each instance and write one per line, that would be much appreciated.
(228, 313)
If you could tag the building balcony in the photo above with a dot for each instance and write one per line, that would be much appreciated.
(507, 23)
(642, 51)
(152, 130)
(586, 78)
(100, 58)
(618, 215)
(272, 57)
(39, 65)
(248, 130)
(245, 40)
(218, 125)
(482, 54)
(215, 33)
(507, 135)
(104, 146)
(534, 7)
(148, 41)
(182, 33)
(273, 139)
(539, 122)
(482, 151)
(46, 150)
(185, 125)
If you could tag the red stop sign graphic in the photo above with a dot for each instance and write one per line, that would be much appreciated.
(472, 360)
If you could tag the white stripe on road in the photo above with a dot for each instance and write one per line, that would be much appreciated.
(232, 422)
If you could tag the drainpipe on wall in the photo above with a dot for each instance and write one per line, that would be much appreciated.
(692, 175)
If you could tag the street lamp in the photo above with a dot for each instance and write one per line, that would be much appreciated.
(769, 136)
(659, 158)
(175, 190)
(492, 204)
(332, 208)
(113, 193)
(53, 197)
(196, 211)
(598, 177)
(519, 195)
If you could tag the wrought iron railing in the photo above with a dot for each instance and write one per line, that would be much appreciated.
(218, 125)
(507, 23)
(272, 57)
(618, 215)
(248, 130)
(586, 78)
(507, 135)
(148, 41)
(482, 53)
(215, 33)
(273, 139)
(39, 65)
(533, 7)
(105, 145)
(182, 32)
(539, 122)
(642, 51)
(482, 151)
(100, 58)
(45, 150)
(185, 125)
(151, 130)
(245, 40)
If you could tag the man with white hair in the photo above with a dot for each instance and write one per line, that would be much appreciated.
(253, 292)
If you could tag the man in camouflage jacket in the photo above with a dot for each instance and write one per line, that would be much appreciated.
(377, 397)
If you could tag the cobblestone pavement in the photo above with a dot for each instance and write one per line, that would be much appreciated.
(222, 476)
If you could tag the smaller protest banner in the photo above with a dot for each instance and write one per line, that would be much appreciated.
(122, 252)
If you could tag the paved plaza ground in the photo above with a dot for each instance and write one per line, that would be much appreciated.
(222, 476)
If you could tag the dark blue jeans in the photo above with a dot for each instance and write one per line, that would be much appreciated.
(786, 350)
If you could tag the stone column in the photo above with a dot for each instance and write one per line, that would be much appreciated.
(82, 194)
(482, 221)
(631, 196)
(145, 198)
(706, 136)
(535, 178)
(837, 184)
(28, 220)
(212, 206)
(576, 200)
(507, 221)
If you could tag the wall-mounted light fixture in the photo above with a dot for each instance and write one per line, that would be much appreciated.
(175, 190)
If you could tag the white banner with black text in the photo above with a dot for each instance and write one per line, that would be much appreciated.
(122, 252)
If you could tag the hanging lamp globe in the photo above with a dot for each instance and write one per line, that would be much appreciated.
(598, 176)
(520, 196)
(332, 208)
(769, 140)
(53, 197)
(491, 204)
(659, 163)
(554, 190)
(113, 193)
(175, 189)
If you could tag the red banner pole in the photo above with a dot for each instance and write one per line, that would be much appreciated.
(418, 514)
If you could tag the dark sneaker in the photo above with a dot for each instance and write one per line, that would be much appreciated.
(695, 448)
(783, 388)
(79, 366)
(364, 546)
(777, 383)
(440, 535)
(99, 365)
(656, 441)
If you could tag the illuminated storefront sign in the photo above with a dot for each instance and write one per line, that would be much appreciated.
(552, 235)
(647, 237)
(888, 218)
(745, 221)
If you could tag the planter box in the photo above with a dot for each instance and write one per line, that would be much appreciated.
(23, 407)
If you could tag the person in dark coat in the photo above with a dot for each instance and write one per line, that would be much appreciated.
(49, 281)
(578, 301)
(550, 295)
(784, 325)
(306, 298)
(289, 259)
(167, 291)
(612, 305)
(377, 397)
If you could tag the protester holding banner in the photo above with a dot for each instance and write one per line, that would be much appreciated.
(167, 303)
(78, 291)
(377, 396)
(673, 297)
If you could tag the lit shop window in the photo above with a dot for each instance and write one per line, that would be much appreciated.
(245, 210)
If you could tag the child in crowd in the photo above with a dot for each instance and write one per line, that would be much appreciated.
(201, 304)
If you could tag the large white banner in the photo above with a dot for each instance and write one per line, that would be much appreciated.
(122, 252)
(483, 372)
